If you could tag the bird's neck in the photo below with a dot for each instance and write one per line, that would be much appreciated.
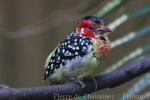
(86, 31)
(103, 47)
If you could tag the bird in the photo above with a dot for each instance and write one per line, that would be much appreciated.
(79, 54)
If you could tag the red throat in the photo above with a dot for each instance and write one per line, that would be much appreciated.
(86, 32)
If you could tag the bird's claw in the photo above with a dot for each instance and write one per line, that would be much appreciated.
(81, 83)
(94, 81)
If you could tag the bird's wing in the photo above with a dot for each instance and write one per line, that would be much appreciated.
(73, 47)
(50, 55)
(48, 59)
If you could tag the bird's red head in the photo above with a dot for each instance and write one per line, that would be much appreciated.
(90, 25)
(86, 22)
(94, 27)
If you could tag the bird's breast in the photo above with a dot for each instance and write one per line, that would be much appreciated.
(102, 47)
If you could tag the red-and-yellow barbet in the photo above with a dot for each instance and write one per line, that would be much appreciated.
(78, 56)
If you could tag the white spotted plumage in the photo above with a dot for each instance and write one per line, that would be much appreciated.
(71, 50)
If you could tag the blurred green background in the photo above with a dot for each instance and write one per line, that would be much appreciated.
(31, 29)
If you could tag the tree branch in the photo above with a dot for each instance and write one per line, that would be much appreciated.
(72, 89)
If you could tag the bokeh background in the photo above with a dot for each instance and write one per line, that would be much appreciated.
(31, 29)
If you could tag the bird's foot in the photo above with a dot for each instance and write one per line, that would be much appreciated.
(93, 80)
(81, 83)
